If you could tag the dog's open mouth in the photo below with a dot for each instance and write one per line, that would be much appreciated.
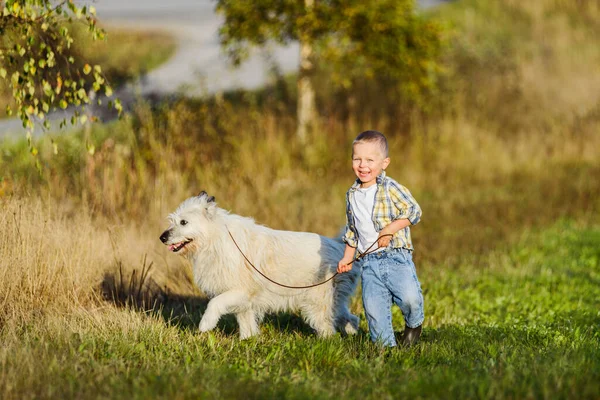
(175, 247)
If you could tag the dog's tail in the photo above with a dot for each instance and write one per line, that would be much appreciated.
(340, 236)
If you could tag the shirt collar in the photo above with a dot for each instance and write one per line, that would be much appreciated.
(379, 181)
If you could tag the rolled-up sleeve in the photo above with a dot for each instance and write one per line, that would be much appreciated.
(405, 203)
(349, 235)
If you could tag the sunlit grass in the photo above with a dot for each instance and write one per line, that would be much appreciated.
(523, 322)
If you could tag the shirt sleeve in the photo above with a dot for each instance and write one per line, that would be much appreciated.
(349, 236)
(405, 203)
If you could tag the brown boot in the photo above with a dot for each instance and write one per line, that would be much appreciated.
(411, 335)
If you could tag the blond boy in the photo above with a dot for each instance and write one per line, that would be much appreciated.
(377, 205)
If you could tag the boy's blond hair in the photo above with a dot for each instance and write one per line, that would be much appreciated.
(373, 137)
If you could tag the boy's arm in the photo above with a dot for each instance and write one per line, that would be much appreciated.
(343, 265)
(391, 229)
(405, 203)
(409, 213)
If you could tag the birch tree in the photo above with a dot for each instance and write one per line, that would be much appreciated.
(359, 39)
(36, 61)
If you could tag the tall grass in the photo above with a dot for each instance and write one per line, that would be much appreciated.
(476, 188)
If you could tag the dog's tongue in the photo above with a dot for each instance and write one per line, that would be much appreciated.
(172, 246)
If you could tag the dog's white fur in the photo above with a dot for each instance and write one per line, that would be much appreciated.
(291, 258)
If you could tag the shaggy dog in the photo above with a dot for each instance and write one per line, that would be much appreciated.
(201, 231)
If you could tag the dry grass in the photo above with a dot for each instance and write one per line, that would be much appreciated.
(56, 261)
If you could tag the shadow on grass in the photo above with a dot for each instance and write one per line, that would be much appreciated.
(139, 291)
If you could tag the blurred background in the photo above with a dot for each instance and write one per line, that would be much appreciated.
(491, 108)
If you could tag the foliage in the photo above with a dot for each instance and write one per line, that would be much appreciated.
(36, 61)
(125, 55)
(382, 41)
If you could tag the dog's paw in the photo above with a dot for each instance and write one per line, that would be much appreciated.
(247, 335)
(352, 325)
(351, 328)
(207, 324)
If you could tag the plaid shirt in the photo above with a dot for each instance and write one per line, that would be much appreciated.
(392, 201)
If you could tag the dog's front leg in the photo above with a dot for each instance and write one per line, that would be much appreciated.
(248, 323)
(229, 302)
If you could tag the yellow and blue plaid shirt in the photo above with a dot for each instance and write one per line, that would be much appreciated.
(392, 201)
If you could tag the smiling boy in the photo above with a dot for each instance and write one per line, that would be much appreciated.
(377, 205)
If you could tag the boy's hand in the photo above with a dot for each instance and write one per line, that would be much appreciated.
(390, 229)
(344, 265)
(383, 241)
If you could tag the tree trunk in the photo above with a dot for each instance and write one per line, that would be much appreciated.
(306, 93)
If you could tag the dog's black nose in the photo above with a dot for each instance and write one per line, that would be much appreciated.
(164, 237)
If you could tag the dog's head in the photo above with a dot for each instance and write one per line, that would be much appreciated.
(189, 223)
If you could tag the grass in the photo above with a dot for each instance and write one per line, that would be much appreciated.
(505, 168)
(523, 322)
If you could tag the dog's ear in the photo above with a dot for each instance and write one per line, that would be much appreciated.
(209, 199)
(211, 208)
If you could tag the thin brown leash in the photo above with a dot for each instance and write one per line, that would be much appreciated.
(309, 286)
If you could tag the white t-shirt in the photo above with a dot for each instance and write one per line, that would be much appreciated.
(362, 206)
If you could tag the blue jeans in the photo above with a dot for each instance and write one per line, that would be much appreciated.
(387, 276)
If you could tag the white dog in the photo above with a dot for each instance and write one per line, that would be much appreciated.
(201, 231)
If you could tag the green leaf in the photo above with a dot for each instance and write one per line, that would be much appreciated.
(2, 73)
(47, 88)
(87, 69)
(118, 106)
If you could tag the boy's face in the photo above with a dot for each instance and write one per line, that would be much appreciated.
(368, 160)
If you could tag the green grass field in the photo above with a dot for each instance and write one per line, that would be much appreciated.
(523, 323)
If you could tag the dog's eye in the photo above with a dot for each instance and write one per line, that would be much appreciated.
(183, 222)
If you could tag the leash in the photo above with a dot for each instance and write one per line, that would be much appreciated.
(308, 286)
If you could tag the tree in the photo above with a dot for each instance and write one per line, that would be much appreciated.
(36, 61)
(357, 39)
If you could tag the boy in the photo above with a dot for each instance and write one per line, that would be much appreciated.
(377, 205)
